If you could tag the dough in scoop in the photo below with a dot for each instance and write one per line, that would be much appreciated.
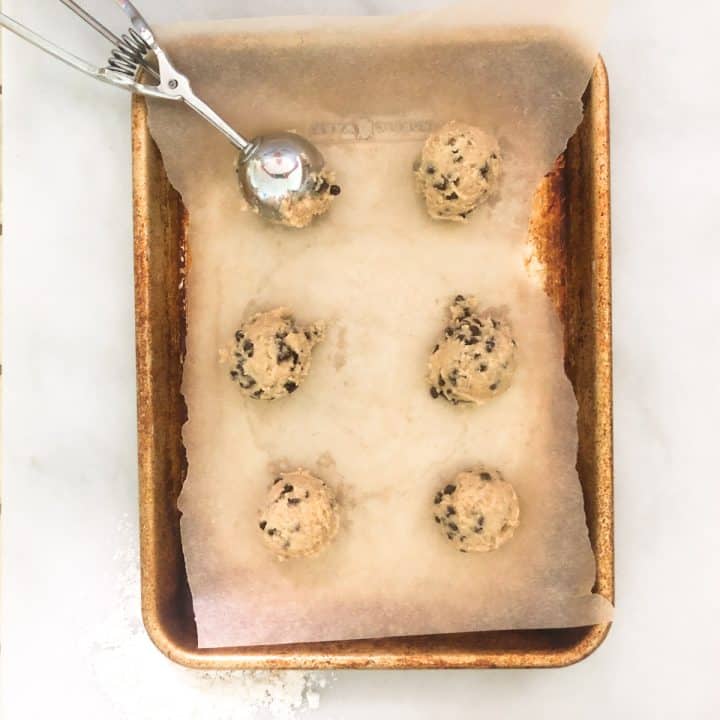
(459, 169)
(475, 360)
(299, 213)
(478, 511)
(272, 354)
(301, 515)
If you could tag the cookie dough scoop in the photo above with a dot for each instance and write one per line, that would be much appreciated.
(282, 175)
(459, 170)
(477, 511)
(300, 516)
(474, 361)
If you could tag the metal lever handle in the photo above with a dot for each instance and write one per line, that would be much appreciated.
(176, 84)
(171, 81)
(173, 85)
(102, 74)
(139, 23)
(50, 48)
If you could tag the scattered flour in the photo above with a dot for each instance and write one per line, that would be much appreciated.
(123, 657)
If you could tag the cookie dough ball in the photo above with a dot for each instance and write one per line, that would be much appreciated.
(301, 515)
(478, 511)
(475, 359)
(272, 354)
(300, 212)
(459, 170)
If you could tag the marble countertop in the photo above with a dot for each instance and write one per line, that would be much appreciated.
(72, 645)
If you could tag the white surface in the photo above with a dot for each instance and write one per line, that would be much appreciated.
(69, 399)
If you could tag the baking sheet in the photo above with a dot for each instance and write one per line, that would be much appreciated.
(364, 419)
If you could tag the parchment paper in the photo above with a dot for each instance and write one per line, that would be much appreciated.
(380, 273)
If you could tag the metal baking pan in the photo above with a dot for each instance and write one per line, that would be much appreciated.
(570, 227)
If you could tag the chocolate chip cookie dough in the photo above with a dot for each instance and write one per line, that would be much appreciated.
(475, 359)
(299, 213)
(459, 169)
(301, 515)
(272, 354)
(478, 511)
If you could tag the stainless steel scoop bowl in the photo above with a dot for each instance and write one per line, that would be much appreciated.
(277, 169)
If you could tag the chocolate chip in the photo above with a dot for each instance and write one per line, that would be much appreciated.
(441, 381)
(262, 525)
(483, 367)
(258, 393)
(234, 374)
(293, 501)
(437, 519)
(471, 341)
(271, 531)
(307, 494)
(484, 170)
(495, 324)
(450, 536)
(453, 526)
(435, 349)
(479, 525)
(449, 489)
(284, 353)
(459, 298)
(475, 330)
(441, 185)
(434, 393)
(239, 336)
(324, 185)
(449, 331)
(452, 196)
(277, 480)
(490, 344)
(450, 511)
(290, 386)
(335, 190)
(493, 387)
(462, 550)
(458, 158)
(308, 335)
(485, 476)
(249, 348)
(438, 498)
(430, 170)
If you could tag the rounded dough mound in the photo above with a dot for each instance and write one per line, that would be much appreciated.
(301, 515)
(459, 169)
(272, 355)
(478, 511)
(475, 360)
